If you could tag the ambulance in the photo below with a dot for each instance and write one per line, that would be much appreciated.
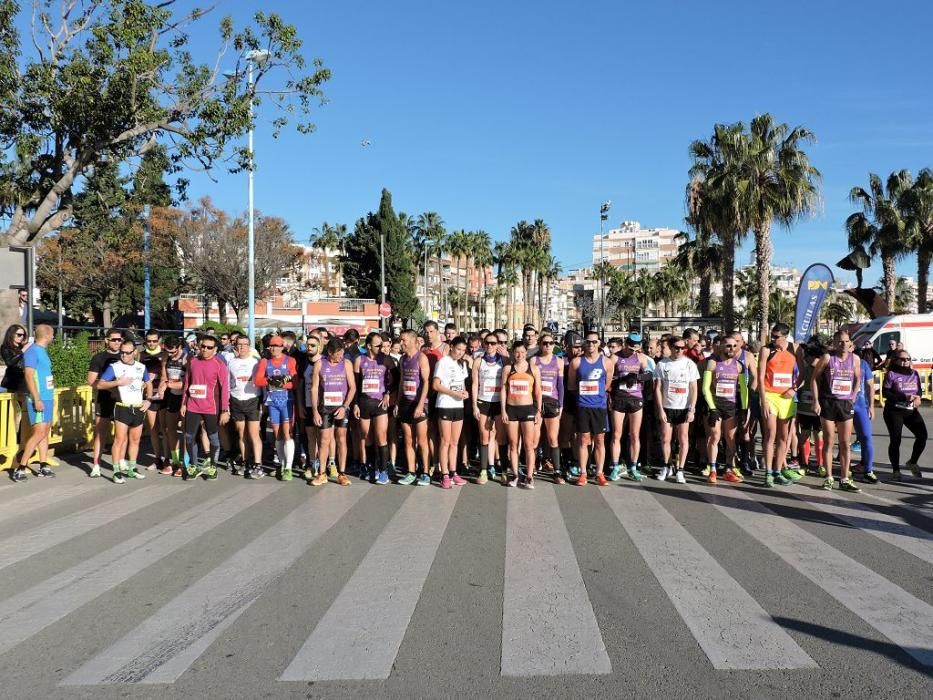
(914, 330)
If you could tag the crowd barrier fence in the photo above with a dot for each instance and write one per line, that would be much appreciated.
(72, 423)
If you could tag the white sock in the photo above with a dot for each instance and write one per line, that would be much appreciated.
(289, 453)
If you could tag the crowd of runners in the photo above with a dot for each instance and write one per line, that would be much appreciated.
(435, 406)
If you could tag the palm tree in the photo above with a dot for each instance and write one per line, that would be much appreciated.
(670, 287)
(552, 270)
(918, 207)
(746, 287)
(700, 257)
(904, 296)
(836, 312)
(773, 182)
(481, 246)
(541, 245)
(507, 281)
(880, 226)
(603, 272)
(326, 238)
(458, 245)
(430, 227)
(780, 308)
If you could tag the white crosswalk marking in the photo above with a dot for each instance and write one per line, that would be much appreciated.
(39, 606)
(165, 645)
(733, 630)
(16, 549)
(360, 634)
(49, 496)
(548, 623)
(901, 617)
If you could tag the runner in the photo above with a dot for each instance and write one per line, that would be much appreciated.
(276, 375)
(726, 396)
(777, 375)
(206, 392)
(153, 357)
(132, 383)
(901, 392)
(631, 372)
(410, 409)
(487, 403)
(573, 348)
(834, 383)
(808, 423)
(245, 408)
(590, 375)
(40, 402)
(104, 399)
(434, 349)
(333, 387)
(521, 396)
(176, 363)
(675, 391)
(449, 383)
(374, 375)
(312, 357)
(864, 414)
(551, 371)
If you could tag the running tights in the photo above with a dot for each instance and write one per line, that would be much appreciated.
(192, 422)
(863, 433)
(897, 419)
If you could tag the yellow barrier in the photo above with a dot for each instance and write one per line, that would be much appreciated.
(72, 425)
(926, 385)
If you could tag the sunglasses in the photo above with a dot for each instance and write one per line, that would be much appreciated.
(903, 359)
(276, 347)
(679, 347)
(547, 342)
(776, 337)
(114, 340)
(207, 347)
(19, 334)
(492, 342)
(127, 352)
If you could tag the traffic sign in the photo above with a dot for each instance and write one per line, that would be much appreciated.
(385, 310)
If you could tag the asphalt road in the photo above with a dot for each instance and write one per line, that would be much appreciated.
(238, 589)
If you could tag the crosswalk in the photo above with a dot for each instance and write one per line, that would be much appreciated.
(548, 621)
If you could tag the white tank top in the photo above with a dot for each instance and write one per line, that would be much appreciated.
(490, 380)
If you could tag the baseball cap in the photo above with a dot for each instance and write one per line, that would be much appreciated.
(633, 339)
(276, 342)
(574, 339)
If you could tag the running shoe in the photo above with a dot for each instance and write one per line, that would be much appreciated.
(131, 473)
(793, 463)
(192, 470)
(791, 474)
(769, 481)
(634, 474)
(857, 446)
(178, 471)
(896, 475)
(680, 478)
(423, 480)
(258, 472)
(615, 473)
(821, 471)
(457, 480)
(710, 474)
(529, 483)
(492, 473)
(512, 479)
(870, 478)
(482, 478)
(46, 471)
(574, 471)
(663, 474)
(705, 471)
(364, 472)
(332, 471)
(319, 480)
(167, 470)
(157, 464)
(286, 475)
(343, 480)
(18, 475)
(236, 466)
(558, 478)
(848, 485)
(731, 477)
(308, 474)
(828, 483)
(915, 470)
(601, 479)
(210, 472)
(408, 479)
(118, 478)
(445, 482)
(95, 471)
(782, 480)
(581, 480)
(736, 473)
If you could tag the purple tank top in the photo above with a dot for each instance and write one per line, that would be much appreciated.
(411, 376)
(373, 373)
(726, 381)
(629, 365)
(333, 384)
(840, 377)
(907, 384)
(549, 376)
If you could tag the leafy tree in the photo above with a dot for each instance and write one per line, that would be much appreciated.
(483, 259)
(918, 207)
(904, 295)
(325, 239)
(701, 257)
(433, 236)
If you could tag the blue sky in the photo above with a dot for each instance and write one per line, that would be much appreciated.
(492, 112)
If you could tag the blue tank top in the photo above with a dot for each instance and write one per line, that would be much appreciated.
(591, 383)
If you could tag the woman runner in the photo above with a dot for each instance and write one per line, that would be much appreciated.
(449, 384)
(333, 387)
(551, 370)
(521, 396)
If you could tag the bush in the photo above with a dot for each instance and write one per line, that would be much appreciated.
(70, 360)
(219, 328)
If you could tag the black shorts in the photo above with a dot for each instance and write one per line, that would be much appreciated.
(155, 405)
(550, 408)
(623, 402)
(172, 403)
(448, 414)
(489, 408)
(244, 410)
(592, 420)
(131, 416)
(676, 416)
(406, 413)
(809, 423)
(726, 409)
(370, 407)
(328, 420)
(193, 420)
(836, 410)
(522, 414)
(105, 407)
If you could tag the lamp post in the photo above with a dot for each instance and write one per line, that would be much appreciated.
(146, 272)
(253, 57)
(603, 217)
(382, 275)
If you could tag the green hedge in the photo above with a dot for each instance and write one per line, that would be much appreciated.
(219, 328)
(70, 360)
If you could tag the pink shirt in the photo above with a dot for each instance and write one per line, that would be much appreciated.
(207, 387)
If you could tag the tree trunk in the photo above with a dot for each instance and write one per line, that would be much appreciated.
(923, 278)
(728, 282)
(890, 281)
(105, 313)
(705, 284)
(327, 274)
(222, 310)
(763, 272)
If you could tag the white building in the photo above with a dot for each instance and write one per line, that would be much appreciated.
(631, 247)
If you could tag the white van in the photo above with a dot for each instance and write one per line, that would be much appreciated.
(914, 330)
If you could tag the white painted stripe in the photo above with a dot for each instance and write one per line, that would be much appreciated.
(903, 618)
(360, 634)
(733, 630)
(886, 527)
(926, 511)
(39, 606)
(548, 624)
(49, 496)
(16, 549)
(163, 647)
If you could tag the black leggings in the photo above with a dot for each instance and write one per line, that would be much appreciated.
(897, 419)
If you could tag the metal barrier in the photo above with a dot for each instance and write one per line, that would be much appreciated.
(926, 385)
(72, 425)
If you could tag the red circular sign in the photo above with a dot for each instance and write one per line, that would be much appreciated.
(385, 310)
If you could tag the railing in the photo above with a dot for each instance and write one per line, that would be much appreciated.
(72, 424)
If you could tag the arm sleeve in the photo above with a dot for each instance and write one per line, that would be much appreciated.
(743, 391)
(260, 379)
(560, 388)
(707, 392)
(224, 378)
(146, 375)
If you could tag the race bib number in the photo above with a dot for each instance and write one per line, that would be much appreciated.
(370, 386)
(410, 389)
(518, 387)
(782, 380)
(333, 398)
(50, 383)
(725, 391)
(242, 381)
(197, 391)
(589, 388)
(547, 386)
(842, 387)
(456, 386)
(490, 389)
(678, 387)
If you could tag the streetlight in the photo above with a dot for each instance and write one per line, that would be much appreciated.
(146, 272)
(252, 57)
(603, 217)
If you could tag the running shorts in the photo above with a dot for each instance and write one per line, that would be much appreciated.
(550, 408)
(130, 416)
(623, 402)
(244, 410)
(592, 420)
(449, 414)
(281, 412)
(36, 417)
(370, 407)
(329, 421)
(836, 410)
(406, 412)
(521, 414)
(489, 408)
(782, 407)
(676, 416)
